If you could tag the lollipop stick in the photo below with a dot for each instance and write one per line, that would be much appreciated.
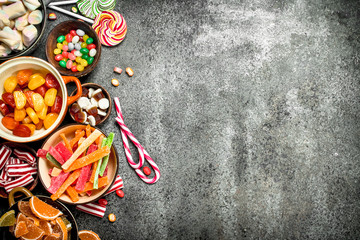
(74, 15)
(62, 3)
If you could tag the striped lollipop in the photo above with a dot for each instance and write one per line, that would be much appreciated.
(92, 8)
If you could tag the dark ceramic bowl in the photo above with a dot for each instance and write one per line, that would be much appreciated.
(63, 29)
(40, 27)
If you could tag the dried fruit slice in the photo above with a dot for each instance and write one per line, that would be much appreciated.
(46, 227)
(54, 236)
(43, 210)
(24, 208)
(21, 229)
(60, 228)
(88, 235)
(35, 220)
(34, 233)
(8, 219)
(20, 217)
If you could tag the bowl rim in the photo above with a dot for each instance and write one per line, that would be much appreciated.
(70, 73)
(109, 98)
(37, 41)
(112, 181)
(64, 91)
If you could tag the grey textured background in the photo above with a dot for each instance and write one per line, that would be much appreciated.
(250, 108)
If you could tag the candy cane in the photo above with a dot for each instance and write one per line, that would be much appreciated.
(125, 133)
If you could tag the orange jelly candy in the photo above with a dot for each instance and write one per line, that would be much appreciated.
(23, 76)
(50, 119)
(9, 123)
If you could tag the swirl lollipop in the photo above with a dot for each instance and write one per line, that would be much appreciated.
(92, 8)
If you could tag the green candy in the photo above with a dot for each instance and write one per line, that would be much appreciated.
(89, 41)
(84, 51)
(62, 63)
(85, 56)
(61, 39)
(90, 60)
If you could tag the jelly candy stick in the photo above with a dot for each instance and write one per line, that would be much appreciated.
(97, 171)
(73, 176)
(105, 160)
(72, 194)
(102, 182)
(53, 160)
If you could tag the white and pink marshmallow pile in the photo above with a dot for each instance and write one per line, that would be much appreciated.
(17, 168)
(18, 19)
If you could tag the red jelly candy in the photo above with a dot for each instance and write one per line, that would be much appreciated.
(11, 115)
(23, 86)
(59, 57)
(28, 95)
(65, 54)
(103, 202)
(73, 51)
(8, 98)
(4, 109)
(56, 108)
(146, 171)
(41, 90)
(91, 46)
(120, 193)
(68, 37)
(9, 123)
(81, 39)
(51, 81)
(22, 131)
(73, 33)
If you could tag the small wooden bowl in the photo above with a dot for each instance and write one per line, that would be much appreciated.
(107, 95)
(31, 186)
(44, 165)
(63, 29)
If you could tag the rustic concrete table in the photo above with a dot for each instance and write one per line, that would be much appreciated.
(250, 109)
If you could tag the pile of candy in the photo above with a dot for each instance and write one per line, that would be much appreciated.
(91, 107)
(30, 102)
(75, 50)
(18, 168)
(18, 21)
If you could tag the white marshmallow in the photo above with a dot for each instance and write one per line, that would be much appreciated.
(96, 92)
(94, 102)
(9, 37)
(91, 120)
(32, 4)
(4, 19)
(104, 103)
(86, 117)
(101, 113)
(22, 22)
(30, 33)
(4, 50)
(14, 10)
(91, 92)
(12, 24)
(19, 37)
(35, 17)
(83, 102)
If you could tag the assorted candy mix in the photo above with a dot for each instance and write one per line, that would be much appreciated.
(75, 50)
(91, 107)
(31, 101)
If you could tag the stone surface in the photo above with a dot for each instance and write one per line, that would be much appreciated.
(250, 109)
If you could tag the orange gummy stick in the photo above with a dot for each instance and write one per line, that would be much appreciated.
(102, 183)
(78, 135)
(66, 142)
(92, 178)
(88, 159)
(72, 194)
(98, 141)
(88, 130)
(73, 176)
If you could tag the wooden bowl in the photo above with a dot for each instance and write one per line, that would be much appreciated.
(107, 95)
(32, 185)
(63, 29)
(41, 29)
(44, 165)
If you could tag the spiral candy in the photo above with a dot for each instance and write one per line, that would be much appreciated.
(92, 8)
(111, 28)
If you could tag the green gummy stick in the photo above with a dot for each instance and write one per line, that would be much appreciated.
(105, 160)
(53, 160)
(96, 179)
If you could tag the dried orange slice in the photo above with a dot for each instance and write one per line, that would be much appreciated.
(43, 210)
(60, 228)
(35, 220)
(24, 208)
(21, 229)
(88, 235)
(54, 236)
(20, 217)
(34, 233)
(46, 227)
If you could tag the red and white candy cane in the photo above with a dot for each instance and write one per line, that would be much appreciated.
(125, 133)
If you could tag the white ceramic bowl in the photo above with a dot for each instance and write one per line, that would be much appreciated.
(11, 67)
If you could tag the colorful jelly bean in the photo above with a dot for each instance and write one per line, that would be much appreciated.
(59, 57)
(60, 39)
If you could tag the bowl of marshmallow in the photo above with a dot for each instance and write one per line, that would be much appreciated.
(22, 24)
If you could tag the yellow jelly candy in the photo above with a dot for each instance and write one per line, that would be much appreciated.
(36, 80)
(20, 99)
(27, 120)
(59, 46)
(42, 113)
(80, 68)
(38, 102)
(78, 59)
(32, 114)
(50, 96)
(85, 37)
(83, 63)
(50, 119)
(32, 127)
(19, 114)
(57, 51)
(10, 84)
